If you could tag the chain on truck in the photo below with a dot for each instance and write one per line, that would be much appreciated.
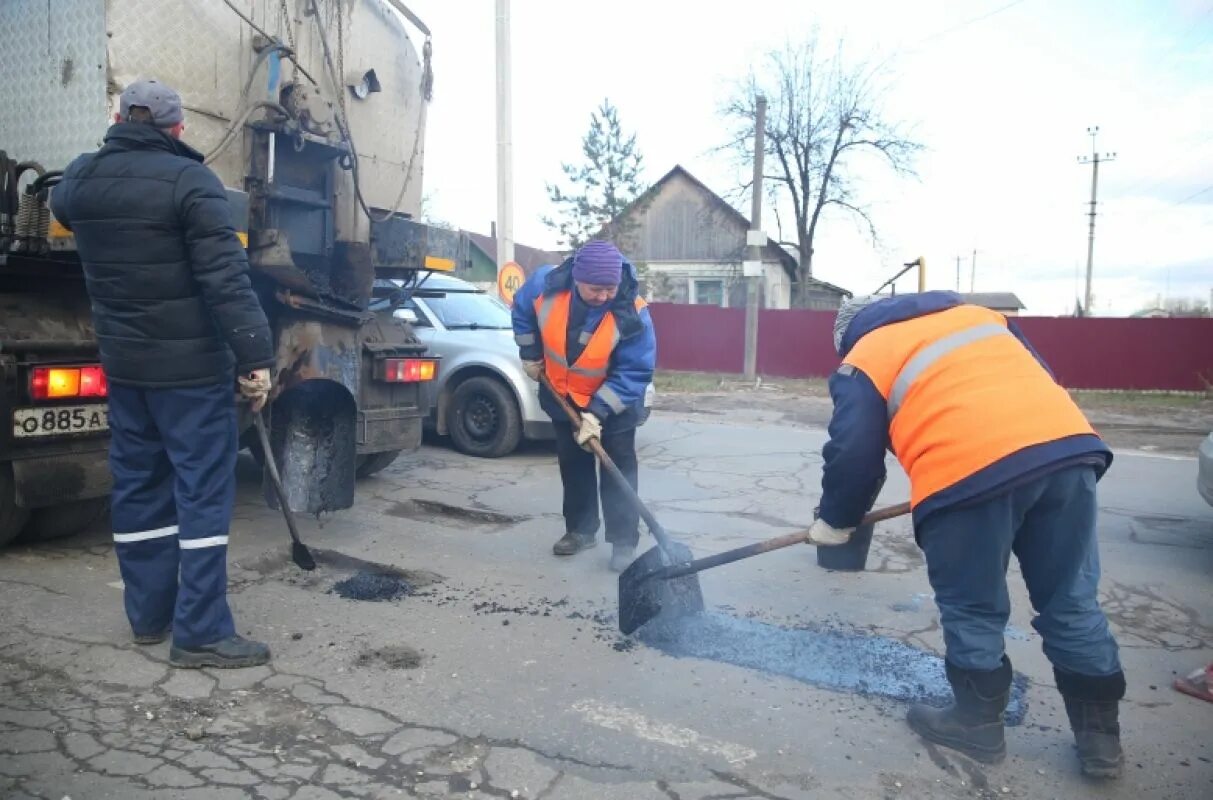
(312, 112)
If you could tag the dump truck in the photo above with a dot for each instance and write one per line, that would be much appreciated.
(312, 112)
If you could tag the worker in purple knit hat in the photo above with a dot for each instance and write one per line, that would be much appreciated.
(584, 325)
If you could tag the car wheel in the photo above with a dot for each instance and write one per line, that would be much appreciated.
(484, 418)
(12, 516)
(371, 463)
(55, 522)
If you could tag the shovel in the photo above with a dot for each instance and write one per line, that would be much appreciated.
(644, 590)
(299, 552)
(681, 592)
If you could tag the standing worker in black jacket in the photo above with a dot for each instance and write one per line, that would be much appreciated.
(176, 318)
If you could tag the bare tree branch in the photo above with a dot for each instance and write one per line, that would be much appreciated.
(825, 120)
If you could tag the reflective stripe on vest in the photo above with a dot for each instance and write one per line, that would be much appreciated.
(962, 393)
(932, 353)
(586, 376)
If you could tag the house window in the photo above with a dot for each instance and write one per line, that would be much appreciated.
(709, 292)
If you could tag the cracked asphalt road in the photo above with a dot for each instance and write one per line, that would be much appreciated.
(502, 675)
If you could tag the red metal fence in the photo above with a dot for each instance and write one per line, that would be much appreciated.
(1168, 354)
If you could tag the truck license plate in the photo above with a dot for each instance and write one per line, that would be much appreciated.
(60, 420)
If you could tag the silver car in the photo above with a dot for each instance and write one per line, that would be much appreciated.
(481, 398)
(1204, 469)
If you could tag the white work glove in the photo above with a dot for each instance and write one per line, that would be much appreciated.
(255, 388)
(533, 369)
(590, 428)
(821, 532)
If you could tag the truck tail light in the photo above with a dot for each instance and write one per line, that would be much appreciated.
(409, 370)
(58, 383)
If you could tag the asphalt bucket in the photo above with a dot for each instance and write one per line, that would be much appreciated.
(849, 557)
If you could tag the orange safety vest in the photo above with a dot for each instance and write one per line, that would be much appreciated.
(581, 379)
(962, 393)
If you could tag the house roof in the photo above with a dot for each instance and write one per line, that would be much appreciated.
(529, 258)
(994, 300)
(772, 249)
(829, 287)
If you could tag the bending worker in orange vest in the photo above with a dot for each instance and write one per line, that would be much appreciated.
(584, 324)
(1000, 461)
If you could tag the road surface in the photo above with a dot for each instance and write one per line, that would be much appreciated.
(500, 673)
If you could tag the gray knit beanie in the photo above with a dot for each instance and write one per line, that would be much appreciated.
(846, 314)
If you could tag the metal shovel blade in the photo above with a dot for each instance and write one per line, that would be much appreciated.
(644, 593)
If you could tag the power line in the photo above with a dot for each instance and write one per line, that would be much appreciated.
(1194, 196)
(916, 47)
(969, 22)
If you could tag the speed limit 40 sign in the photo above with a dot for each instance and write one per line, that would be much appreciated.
(509, 281)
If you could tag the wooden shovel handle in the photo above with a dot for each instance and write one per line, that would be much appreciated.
(767, 545)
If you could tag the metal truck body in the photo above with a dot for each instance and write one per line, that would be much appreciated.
(312, 112)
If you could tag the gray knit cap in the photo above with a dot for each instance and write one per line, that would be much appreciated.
(846, 314)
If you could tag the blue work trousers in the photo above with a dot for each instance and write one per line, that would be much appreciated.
(1049, 524)
(173, 458)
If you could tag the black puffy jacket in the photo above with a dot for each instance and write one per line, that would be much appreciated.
(171, 296)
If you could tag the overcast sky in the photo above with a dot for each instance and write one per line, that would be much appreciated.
(1001, 93)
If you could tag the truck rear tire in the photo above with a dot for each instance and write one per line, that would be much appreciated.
(484, 419)
(371, 463)
(57, 522)
(12, 516)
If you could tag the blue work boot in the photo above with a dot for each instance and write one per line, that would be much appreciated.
(973, 722)
(230, 653)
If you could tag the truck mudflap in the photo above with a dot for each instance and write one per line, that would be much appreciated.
(314, 413)
(333, 404)
(54, 480)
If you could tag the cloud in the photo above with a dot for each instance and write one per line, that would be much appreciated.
(1003, 105)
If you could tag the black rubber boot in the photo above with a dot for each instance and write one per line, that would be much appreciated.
(621, 556)
(1093, 706)
(151, 638)
(230, 653)
(572, 543)
(973, 722)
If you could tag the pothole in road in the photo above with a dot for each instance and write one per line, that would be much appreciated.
(390, 657)
(839, 659)
(1170, 531)
(373, 587)
(345, 576)
(443, 513)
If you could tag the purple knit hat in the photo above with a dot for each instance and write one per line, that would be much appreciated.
(598, 263)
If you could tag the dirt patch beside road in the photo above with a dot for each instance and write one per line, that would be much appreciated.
(1165, 423)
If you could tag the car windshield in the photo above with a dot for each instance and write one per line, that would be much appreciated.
(474, 310)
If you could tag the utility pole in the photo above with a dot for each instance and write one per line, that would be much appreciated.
(505, 147)
(958, 274)
(973, 273)
(751, 267)
(1093, 160)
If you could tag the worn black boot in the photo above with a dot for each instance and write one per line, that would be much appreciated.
(621, 556)
(973, 723)
(1093, 706)
(572, 543)
(230, 653)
